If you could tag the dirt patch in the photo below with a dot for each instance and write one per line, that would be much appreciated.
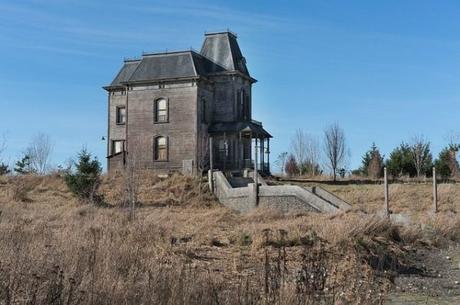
(438, 283)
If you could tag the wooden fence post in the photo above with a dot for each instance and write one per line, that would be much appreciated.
(385, 181)
(435, 191)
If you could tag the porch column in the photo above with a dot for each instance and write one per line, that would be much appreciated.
(268, 154)
(211, 154)
(240, 152)
(225, 151)
(256, 176)
(262, 159)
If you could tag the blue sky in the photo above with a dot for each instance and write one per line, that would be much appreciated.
(385, 70)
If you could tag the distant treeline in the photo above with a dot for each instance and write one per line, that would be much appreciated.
(311, 156)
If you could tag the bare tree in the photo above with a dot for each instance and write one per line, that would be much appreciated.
(299, 147)
(281, 162)
(420, 151)
(2, 147)
(453, 139)
(3, 167)
(39, 152)
(313, 154)
(2, 144)
(334, 147)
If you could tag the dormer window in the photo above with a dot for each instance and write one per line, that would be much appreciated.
(121, 115)
(161, 111)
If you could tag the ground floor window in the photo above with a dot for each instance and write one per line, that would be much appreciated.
(161, 149)
(117, 146)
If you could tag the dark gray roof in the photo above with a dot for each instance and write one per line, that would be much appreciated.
(164, 66)
(255, 128)
(125, 72)
(204, 66)
(222, 48)
(220, 53)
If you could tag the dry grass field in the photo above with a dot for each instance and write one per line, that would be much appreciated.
(182, 247)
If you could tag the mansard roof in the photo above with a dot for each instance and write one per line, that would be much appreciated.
(220, 54)
(223, 49)
(126, 71)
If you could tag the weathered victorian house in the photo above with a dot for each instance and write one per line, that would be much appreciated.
(165, 111)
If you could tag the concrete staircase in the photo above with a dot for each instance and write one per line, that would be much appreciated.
(240, 193)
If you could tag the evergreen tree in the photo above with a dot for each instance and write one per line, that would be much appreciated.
(447, 164)
(400, 162)
(308, 168)
(85, 180)
(372, 163)
(24, 166)
(4, 170)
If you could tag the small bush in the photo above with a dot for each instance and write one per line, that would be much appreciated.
(85, 180)
(4, 170)
(24, 166)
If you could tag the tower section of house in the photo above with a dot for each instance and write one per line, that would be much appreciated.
(165, 110)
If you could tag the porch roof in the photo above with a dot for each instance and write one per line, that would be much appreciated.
(255, 128)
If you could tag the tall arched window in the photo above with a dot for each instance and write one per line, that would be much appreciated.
(161, 149)
(161, 110)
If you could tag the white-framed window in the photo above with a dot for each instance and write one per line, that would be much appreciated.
(161, 111)
(161, 149)
(118, 146)
(121, 115)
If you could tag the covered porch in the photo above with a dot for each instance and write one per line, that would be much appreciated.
(239, 146)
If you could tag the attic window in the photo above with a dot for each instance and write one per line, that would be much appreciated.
(121, 115)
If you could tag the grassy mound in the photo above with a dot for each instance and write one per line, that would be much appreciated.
(185, 248)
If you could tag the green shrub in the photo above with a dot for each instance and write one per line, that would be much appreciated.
(24, 166)
(84, 181)
(447, 164)
(4, 170)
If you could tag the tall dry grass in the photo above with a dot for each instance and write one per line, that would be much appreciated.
(185, 248)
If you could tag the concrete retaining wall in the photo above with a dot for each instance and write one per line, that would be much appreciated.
(286, 198)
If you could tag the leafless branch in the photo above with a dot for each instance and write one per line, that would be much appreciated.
(2, 146)
(39, 152)
(299, 147)
(334, 147)
(420, 149)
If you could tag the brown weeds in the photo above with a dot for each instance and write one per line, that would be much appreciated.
(185, 248)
